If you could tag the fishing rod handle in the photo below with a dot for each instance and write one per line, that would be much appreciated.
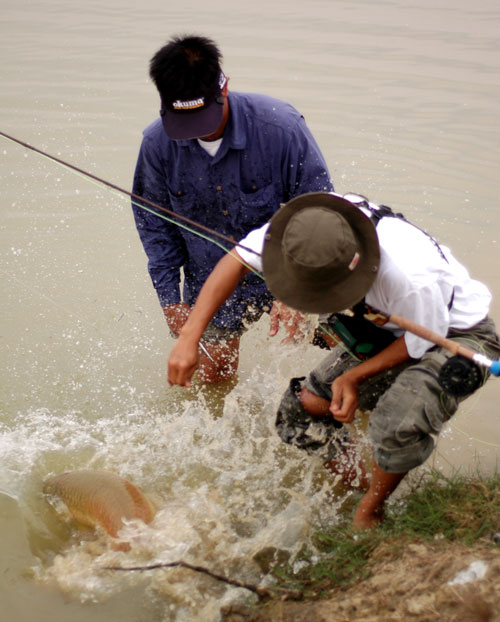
(452, 346)
(429, 335)
(493, 366)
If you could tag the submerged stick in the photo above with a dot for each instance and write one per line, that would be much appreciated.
(262, 592)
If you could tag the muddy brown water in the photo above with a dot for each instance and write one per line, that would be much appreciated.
(403, 100)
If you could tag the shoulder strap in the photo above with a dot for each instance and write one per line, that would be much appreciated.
(383, 211)
(376, 215)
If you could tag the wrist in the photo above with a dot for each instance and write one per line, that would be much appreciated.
(355, 375)
(190, 333)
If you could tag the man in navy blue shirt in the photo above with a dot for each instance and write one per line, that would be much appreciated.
(227, 161)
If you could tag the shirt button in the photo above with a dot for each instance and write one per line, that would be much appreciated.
(225, 212)
(219, 187)
(179, 193)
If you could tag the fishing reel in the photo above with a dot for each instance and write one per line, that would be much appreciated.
(460, 376)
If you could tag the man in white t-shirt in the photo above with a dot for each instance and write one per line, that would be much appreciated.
(323, 254)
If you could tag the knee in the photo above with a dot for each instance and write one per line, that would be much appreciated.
(292, 419)
(220, 361)
(209, 374)
(315, 405)
(300, 404)
(401, 428)
(296, 426)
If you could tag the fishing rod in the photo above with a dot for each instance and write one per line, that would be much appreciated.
(458, 376)
(138, 200)
(133, 196)
(444, 342)
(452, 375)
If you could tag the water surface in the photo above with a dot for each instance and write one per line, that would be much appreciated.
(403, 100)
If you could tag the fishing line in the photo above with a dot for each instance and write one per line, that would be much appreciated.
(167, 215)
(455, 379)
(119, 194)
(43, 295)
(453, 425)
(338, 341)
(141, 202)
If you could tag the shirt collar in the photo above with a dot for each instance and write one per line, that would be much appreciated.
(236, 126)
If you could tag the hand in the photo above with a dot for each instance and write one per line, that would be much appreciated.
(293, 321)
(176, 316)
(182, 362)
(344, 398)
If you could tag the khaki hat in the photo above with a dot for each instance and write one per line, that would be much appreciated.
(321, 253)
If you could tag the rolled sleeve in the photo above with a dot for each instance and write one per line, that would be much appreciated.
(162, 241)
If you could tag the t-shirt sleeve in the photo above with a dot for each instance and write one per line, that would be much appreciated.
(423, 306)
(422, 303)
(250, 247)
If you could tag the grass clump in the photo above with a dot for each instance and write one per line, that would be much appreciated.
(344, 557)
(457, 508)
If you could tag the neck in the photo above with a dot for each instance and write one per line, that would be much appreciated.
(220, 130)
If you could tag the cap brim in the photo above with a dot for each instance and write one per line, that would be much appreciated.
(186, 124)
(311, 296)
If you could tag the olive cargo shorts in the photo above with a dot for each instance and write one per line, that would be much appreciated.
(408, 405)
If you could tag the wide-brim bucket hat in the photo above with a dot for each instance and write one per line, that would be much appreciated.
(321, 253)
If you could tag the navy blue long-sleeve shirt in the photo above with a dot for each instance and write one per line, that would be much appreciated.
(267, 156)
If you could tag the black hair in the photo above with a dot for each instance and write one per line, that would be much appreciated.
(186, 67)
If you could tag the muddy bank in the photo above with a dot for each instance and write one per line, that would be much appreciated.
(417, 581)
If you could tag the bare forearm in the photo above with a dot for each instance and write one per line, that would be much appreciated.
(221, 283)
(184, 357)
(345, 388)
(391, 356)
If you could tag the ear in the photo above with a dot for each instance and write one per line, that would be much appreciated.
(225, 89)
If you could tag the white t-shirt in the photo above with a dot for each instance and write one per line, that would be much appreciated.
(210, 146)
(413, 281)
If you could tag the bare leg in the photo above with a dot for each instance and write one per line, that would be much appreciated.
(371, 506)
(315, 405)
(225, 355)
(349, 464)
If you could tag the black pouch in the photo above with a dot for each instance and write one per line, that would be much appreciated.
(360, 336)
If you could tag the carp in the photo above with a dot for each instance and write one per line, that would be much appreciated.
(99, 499)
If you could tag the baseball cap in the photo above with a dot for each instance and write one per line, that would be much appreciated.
(196, 116)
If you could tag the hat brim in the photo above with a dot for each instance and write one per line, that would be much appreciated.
(187, 124)
(311, 296)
